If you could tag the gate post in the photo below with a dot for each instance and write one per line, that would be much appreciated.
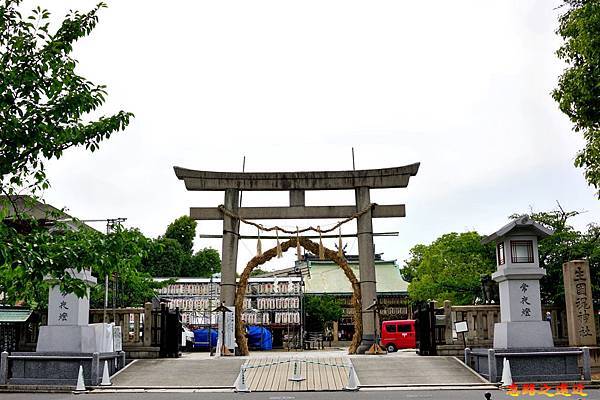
(366, 259)
(231, 229)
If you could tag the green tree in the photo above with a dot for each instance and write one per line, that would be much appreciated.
(203, 264)
(32, 255)
(166, 258)
(121, 256)
(578, 91)
(409, 271)
(45, 106)
(45, 109)
(321, 309)
(183, 229)
(449, 269)
(171, 255)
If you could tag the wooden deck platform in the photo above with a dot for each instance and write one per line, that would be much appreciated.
(271, 374)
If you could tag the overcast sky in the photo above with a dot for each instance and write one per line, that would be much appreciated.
(462, 87)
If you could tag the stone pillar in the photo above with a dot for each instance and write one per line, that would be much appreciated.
(68, 316)
(366, 259)
(578, 298)
(95, 373)
(231, 229)
(147, 324)
(448, 322)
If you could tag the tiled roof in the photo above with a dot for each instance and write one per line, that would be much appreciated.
(14, 314)
(327, 277)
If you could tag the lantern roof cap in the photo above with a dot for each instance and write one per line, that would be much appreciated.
(523, 225)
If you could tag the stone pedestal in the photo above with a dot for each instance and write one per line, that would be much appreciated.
(510, 335)
(528, 364)
(65, 345)
(521, 324)
(68, 329)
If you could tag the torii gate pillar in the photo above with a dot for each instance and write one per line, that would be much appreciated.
(229, 251)
(366, 261)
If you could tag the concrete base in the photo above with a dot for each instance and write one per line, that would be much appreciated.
(530, 334)
(558, 364)
(58, 369)
(75, 338)
(365, 344)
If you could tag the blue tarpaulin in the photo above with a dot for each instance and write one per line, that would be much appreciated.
(201, 338)
(260, 338)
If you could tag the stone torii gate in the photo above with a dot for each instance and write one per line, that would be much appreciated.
(232, 183)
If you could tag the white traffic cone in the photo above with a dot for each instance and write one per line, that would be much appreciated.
(80, 382)
(506, 374)
(352, 379)
(105, 375)
(240, 383)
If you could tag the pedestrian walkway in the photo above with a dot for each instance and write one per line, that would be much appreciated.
(180, 373)
(309, 370)
(409, 369)
(297, 374)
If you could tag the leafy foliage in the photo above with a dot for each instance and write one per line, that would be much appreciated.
(578, 91)
(183, 229)
(449, 269)
(166, 258)
(566, 244)
(321, 309)
(45, 105)
(203, 264)
(28, 258)
(45, 109)
(171, 255)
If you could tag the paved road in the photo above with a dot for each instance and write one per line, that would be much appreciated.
(362, 395)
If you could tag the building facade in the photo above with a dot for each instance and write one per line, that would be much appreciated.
(275, 303)
(323, 277)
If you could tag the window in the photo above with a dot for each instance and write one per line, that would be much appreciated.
(521, 251)
(500, 250)
(390, 328)
(404, 328)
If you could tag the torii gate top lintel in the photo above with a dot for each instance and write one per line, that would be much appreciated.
(383, 178)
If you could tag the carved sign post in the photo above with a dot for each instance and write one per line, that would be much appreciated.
(578, 297)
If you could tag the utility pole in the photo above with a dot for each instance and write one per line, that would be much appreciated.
(111, 224)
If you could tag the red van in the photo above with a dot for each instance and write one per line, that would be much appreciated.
(398, 335)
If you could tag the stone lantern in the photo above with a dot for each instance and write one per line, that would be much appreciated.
(522, 339)
(518, 275)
